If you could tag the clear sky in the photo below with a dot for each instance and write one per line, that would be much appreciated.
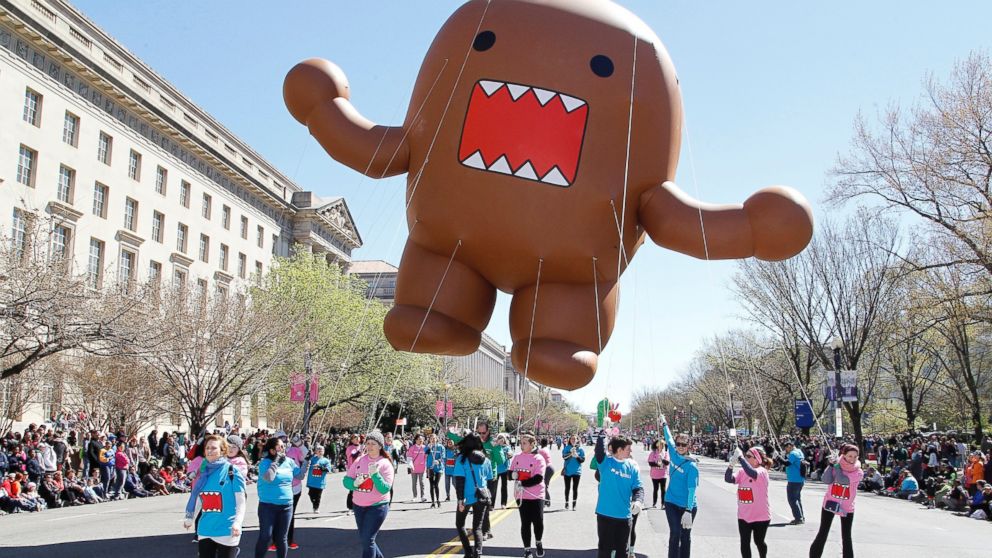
(770, 92)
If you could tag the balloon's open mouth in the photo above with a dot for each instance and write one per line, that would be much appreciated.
(524, 131)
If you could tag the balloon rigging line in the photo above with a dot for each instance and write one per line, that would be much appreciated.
(595, 286)
(795, 372)
(626, 165)
(421, 328)
(773, 434)
(530, 338)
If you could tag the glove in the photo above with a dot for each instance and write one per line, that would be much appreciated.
(832, 458)
(662, 419)
(635, 508)
(737, 455)
(513, 475)
(687, 520)
(187, 523)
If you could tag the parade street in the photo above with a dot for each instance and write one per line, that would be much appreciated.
(152, 527)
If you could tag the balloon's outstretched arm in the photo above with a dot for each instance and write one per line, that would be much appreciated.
(317, 94)
(775, 223)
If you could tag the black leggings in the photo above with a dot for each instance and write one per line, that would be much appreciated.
(505, 476)
(209, 548)
(759, 528)
(633, 530)
(478, 511)
(658, 483)
(434, 482)
(315, 494)
(292, 521)
(846, 526)
(531, 514)
(613, 536)
(573, 483)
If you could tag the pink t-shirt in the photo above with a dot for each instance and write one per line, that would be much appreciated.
(543, 452)
(843, 493)
(418, 458)
(296, 453)
(528, 465)
(347, 453)
(365, 494)
(752, 496)
(661, 471)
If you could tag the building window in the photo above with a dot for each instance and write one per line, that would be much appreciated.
(179, 278)
(204, 248)
(182, 232)
(104, 148)
(184, 194)
(221, 292)
(161, 180)
(70, 130)
(260, 236)
(242, 266)
(223, 256)
(158, 223)
(154, 273)
(20, 234)
(201, 291)
(134, 165)
(100, 193)
(226, 217)
(94, 272)
(244, 227)
(26, 165)
(258, 271)
(275, 245)
(32, 107)
(67, 183)
(125, 275)
(130, 215)
(206, 206)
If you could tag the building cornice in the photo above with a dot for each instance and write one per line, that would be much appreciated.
(181, 259)
(63, 211)
(127, 237)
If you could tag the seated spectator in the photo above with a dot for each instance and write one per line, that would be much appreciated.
(12, 484)
(93, 491)
(955, 499)
(50, 492)
(154, 483)
(9, 504)
(73, 491)
(133, 486)
(30, 498)
(873, 481)
(908, 486)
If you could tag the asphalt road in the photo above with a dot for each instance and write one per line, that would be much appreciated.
(152, 528)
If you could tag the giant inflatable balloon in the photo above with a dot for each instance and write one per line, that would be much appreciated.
(541, 139)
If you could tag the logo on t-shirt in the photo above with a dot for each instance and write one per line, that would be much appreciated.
(449, 462)
(317, 471)
(840, 491)
(366, 486)
(211, 501)
(745, 495)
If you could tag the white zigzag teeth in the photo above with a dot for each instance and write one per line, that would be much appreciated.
(517, 90)
(555, 177)
(571, 103)
(501, 165)
(526, 171)
(490, 87)
(475, 161)
(543, 95)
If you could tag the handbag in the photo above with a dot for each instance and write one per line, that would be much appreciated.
(482, 494)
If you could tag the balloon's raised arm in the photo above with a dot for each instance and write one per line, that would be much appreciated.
(317, 94)
(775, 223)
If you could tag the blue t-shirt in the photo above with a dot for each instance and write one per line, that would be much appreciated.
(435, 458)
(473, 474)
(320, 468)
(793, 471)
(449, 461)
(280, 490)
(617, 482)
(217, 501)
(572, 465)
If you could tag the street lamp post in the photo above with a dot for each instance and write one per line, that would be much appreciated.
(308, 365)
(692, 419)
(837, 344)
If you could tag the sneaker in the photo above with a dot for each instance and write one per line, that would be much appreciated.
(272, 548)
(488, 535)
(566, 504)
(294, 546)
(573, 505)
(540, 550)
(528, 553)
(797, 522)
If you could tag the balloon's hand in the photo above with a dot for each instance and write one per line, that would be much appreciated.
(781, 222)
(310, 84)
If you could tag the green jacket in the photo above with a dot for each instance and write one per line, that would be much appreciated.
(494, 452)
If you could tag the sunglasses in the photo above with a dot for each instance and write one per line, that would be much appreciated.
(681, 445)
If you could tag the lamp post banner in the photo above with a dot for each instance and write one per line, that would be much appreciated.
(848, 384)
(804, 414)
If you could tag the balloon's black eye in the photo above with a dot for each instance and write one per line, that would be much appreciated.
(484, 41)
(601, 65)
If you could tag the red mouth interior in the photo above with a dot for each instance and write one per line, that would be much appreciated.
(210, 502)
(523, 130)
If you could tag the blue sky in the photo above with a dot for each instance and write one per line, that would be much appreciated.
(770, 91)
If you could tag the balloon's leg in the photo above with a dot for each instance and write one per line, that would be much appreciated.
(460, 302)
(563, 349)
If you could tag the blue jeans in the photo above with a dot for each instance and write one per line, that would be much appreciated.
(369, 520)
(793, 493)
(679, 539)
(273, 525)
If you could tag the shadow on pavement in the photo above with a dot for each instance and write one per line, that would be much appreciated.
(339, 542)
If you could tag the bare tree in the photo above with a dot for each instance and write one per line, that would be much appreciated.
(211, 352)
(934, 161)
(122, 392)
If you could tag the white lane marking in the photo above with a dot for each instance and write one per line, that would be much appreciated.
(86, 514)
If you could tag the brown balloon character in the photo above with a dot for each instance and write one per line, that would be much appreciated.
(537, 130)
